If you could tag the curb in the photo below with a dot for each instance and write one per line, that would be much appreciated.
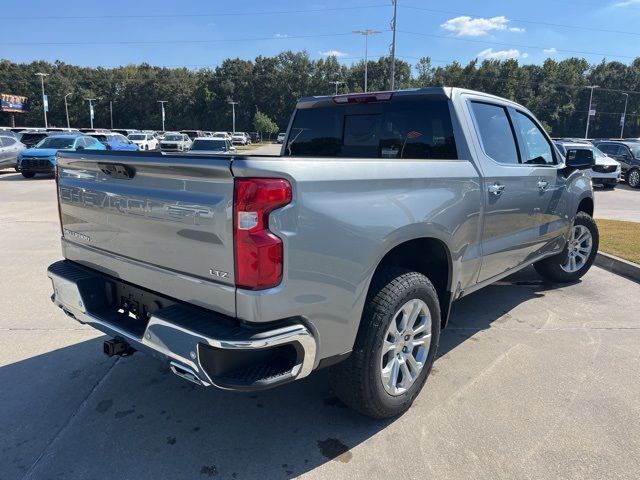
(618, 266)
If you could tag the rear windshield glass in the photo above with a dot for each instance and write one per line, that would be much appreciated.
(138, 136)
(217, 145)
(56, 142)
(415, 128)
(174, 138)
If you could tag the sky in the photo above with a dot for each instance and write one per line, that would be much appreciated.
(198, 33)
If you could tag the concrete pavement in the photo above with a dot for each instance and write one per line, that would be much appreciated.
(533, 381)
(623, 203)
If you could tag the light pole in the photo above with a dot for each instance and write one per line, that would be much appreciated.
(45, 100)
(592, 87)
(624, 115)
(233, 106)
(162, 102)
(393, 45)
(366, 34)
(90, 100)
(66, 108)
(337, 83)
(111, 113)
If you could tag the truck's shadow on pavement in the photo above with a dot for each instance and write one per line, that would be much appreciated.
(78, 415)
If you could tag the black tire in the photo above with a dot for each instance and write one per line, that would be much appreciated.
(633, 178)
(551, 268)
(357, 381)
(28, 174)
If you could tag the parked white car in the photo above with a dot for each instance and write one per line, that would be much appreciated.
(240, 138)
(175, 142)
(605, 172)
(145, 141)
(10, 148)
(281, 136)
(224, 135)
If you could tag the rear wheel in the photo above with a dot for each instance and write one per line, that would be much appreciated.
(395, 347)
(578, 255)
(28, 174)
(633, 178)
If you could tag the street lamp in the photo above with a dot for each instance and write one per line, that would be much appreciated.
(624, 115)
(162, 102)
(592, 87)
(45, 100)
(336, 83)
(91, 100)
(366, 34)
(233, 106)
(66, 108)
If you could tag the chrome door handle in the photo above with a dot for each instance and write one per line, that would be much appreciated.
(496, 189)
(542, 184)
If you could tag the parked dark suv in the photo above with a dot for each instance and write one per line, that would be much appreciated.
(628, 154)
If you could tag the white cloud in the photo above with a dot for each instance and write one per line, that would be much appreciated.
(551, 51)
(627, 3)
(280, 35)
(490, 54)
(333, 53)
(475, 27)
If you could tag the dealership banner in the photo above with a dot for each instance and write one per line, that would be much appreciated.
(13, 103)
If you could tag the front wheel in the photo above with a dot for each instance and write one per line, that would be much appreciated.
(395, 347)
(578, 255)
(633, 178)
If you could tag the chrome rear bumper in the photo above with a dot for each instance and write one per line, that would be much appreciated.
(200, 345)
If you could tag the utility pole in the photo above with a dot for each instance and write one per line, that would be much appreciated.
(90, 100)
(162, 102)
(592, 87)
(45, 100)
(111, 113)
(66, 108)
(336, 83)
(233, 106)
(366, 34)
(393, 45)
(624, 115)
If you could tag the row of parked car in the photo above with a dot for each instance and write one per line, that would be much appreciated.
(34, 151)
(616, 159)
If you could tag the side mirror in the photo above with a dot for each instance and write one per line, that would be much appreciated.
(580, 158)
(79, 148)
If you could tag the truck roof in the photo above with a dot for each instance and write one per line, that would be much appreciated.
(447, 92)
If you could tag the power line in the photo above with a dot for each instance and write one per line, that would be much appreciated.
(173, 42)
(201, 14)
(503, 44)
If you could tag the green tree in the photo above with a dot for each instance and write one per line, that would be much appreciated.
(263, 124)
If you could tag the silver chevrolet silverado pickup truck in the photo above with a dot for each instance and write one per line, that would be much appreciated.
(346, 251)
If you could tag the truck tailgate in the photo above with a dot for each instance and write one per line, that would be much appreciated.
(162, 222)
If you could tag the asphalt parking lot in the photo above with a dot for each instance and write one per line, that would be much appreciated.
(533, 381)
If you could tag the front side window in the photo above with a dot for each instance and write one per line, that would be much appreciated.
(495, 131)
(537, 149)
(412, 128)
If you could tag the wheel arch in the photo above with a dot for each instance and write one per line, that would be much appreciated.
(427, 255)
(586, 205)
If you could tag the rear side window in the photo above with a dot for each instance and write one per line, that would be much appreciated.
(402, 128)
(496, 132)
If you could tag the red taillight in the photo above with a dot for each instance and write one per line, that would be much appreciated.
(363, 97)
(259, 253)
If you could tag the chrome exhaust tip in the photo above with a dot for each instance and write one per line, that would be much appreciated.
(186, 373)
